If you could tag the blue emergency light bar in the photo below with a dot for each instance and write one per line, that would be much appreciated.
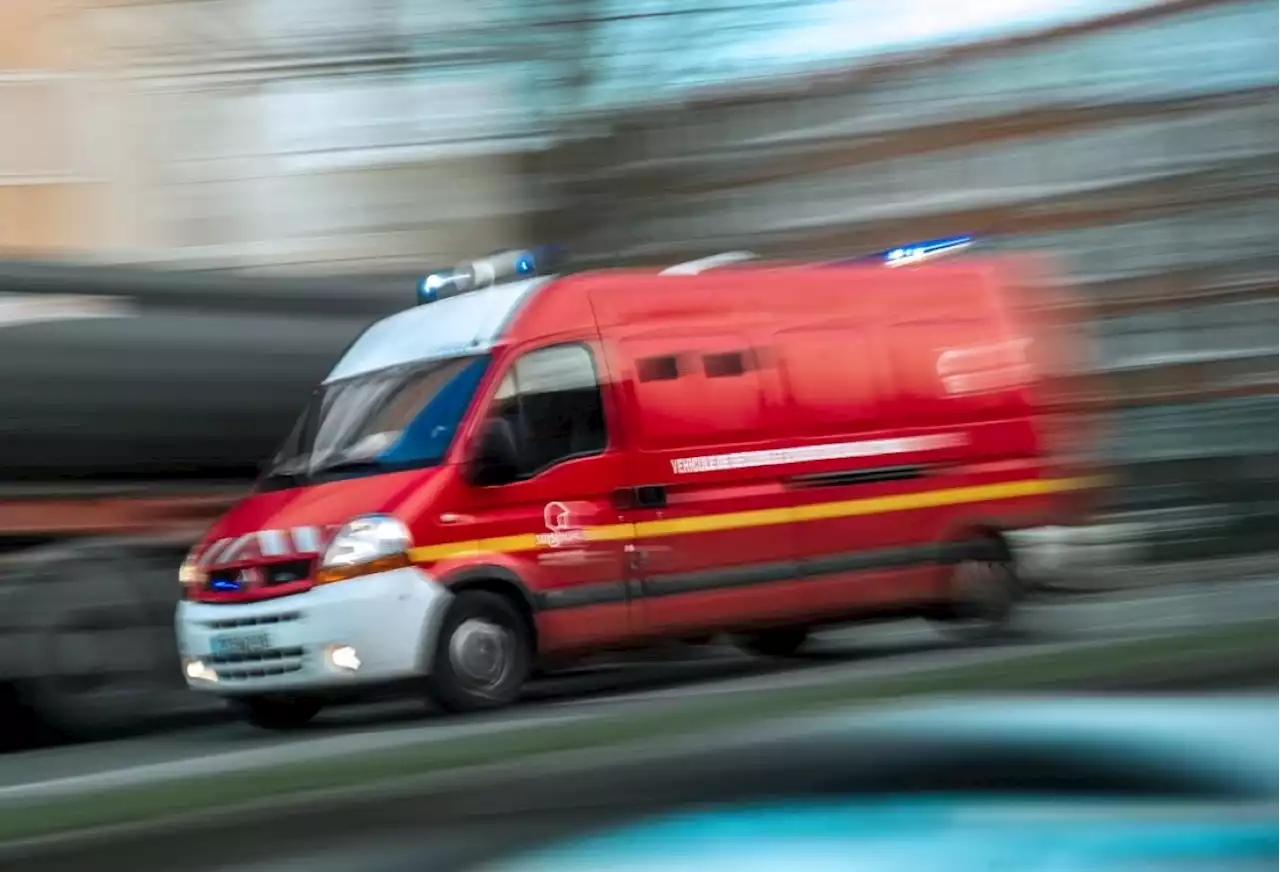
(915, 252)
(503, 266)
(919, 251)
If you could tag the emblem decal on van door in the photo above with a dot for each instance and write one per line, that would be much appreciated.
(562, 527)
(811, 453)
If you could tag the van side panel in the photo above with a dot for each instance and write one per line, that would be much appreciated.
(930, 390)
(713, 539)
(803, 443)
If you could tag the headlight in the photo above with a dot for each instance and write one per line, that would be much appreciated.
(374, 543)
(189, 573)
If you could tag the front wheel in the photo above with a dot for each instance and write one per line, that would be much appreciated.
(277, 712)
(483, 655)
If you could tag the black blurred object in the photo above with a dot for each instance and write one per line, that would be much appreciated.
(1204, 761)
(175, 376)
(137, 405)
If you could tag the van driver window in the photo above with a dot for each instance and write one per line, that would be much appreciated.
(551, 399)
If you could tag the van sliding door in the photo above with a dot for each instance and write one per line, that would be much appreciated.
(713, 547)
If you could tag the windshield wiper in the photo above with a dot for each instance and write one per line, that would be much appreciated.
(289, 473)
(353, 464)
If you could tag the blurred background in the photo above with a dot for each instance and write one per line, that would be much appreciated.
(202, 202)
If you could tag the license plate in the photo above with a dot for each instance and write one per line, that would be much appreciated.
(239, 645)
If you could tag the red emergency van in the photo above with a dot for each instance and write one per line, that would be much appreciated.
(552, 466)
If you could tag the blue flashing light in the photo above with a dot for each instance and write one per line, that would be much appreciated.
(431, 286)
(915, 252)
(542, 260)
(223, 584)
(918, 251)
(495, 269)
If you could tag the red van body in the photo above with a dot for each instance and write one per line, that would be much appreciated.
(627, 457)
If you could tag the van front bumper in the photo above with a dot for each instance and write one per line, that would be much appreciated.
(372, 630)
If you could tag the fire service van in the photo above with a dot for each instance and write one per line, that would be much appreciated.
(527, 468)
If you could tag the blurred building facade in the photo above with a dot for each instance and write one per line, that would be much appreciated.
(1141, 148)
(49, 186)
(330, 135)
(252, 133)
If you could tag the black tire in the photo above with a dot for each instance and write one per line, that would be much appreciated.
(782, 642)
(986, 592)
(505, 638)
(277, 712)
(100, 657)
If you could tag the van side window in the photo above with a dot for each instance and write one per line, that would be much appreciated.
(729, 364)
(665, 368)
(551, 397)
(693, 390)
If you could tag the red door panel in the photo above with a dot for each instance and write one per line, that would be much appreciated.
(557, 526)
(578, 582)
(712, 540)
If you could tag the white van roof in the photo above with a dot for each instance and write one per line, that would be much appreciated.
(466, 324)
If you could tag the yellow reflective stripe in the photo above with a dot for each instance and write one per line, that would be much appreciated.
(766, 517)
(928, 499)
(712, 523)
(611, 532)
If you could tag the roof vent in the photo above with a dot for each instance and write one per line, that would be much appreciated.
(693, 267)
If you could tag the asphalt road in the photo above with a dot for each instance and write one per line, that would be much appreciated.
(864, 651)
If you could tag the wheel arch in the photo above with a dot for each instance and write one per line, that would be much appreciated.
(979, 536)
(499, 580)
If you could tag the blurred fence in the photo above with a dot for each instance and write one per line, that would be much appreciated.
(1140, 149)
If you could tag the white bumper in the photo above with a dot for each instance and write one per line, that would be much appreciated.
(389, 620)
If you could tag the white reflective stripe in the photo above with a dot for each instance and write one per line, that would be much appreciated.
(206, 559)
(811, 453)
(219, 556)
(306, 540)
(233, 550)
(271, 543)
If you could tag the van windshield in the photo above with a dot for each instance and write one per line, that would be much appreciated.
(400, 417)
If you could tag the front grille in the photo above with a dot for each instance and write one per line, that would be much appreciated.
(260, 664)
(264, 620)
(267, 656)
(263, 671)
(287, 572)
(272, 574)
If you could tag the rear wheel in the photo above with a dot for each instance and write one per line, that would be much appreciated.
(483, 655)
(782, 642)
(277, 712)
(985, 592)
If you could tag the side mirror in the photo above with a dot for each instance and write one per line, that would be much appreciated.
(495, 459)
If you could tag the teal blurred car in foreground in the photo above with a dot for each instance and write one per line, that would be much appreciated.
(950, 833)
(1068, 785)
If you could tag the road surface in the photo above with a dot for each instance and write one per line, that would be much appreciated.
(848, 653)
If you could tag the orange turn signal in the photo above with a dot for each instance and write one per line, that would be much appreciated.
(331, 574)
